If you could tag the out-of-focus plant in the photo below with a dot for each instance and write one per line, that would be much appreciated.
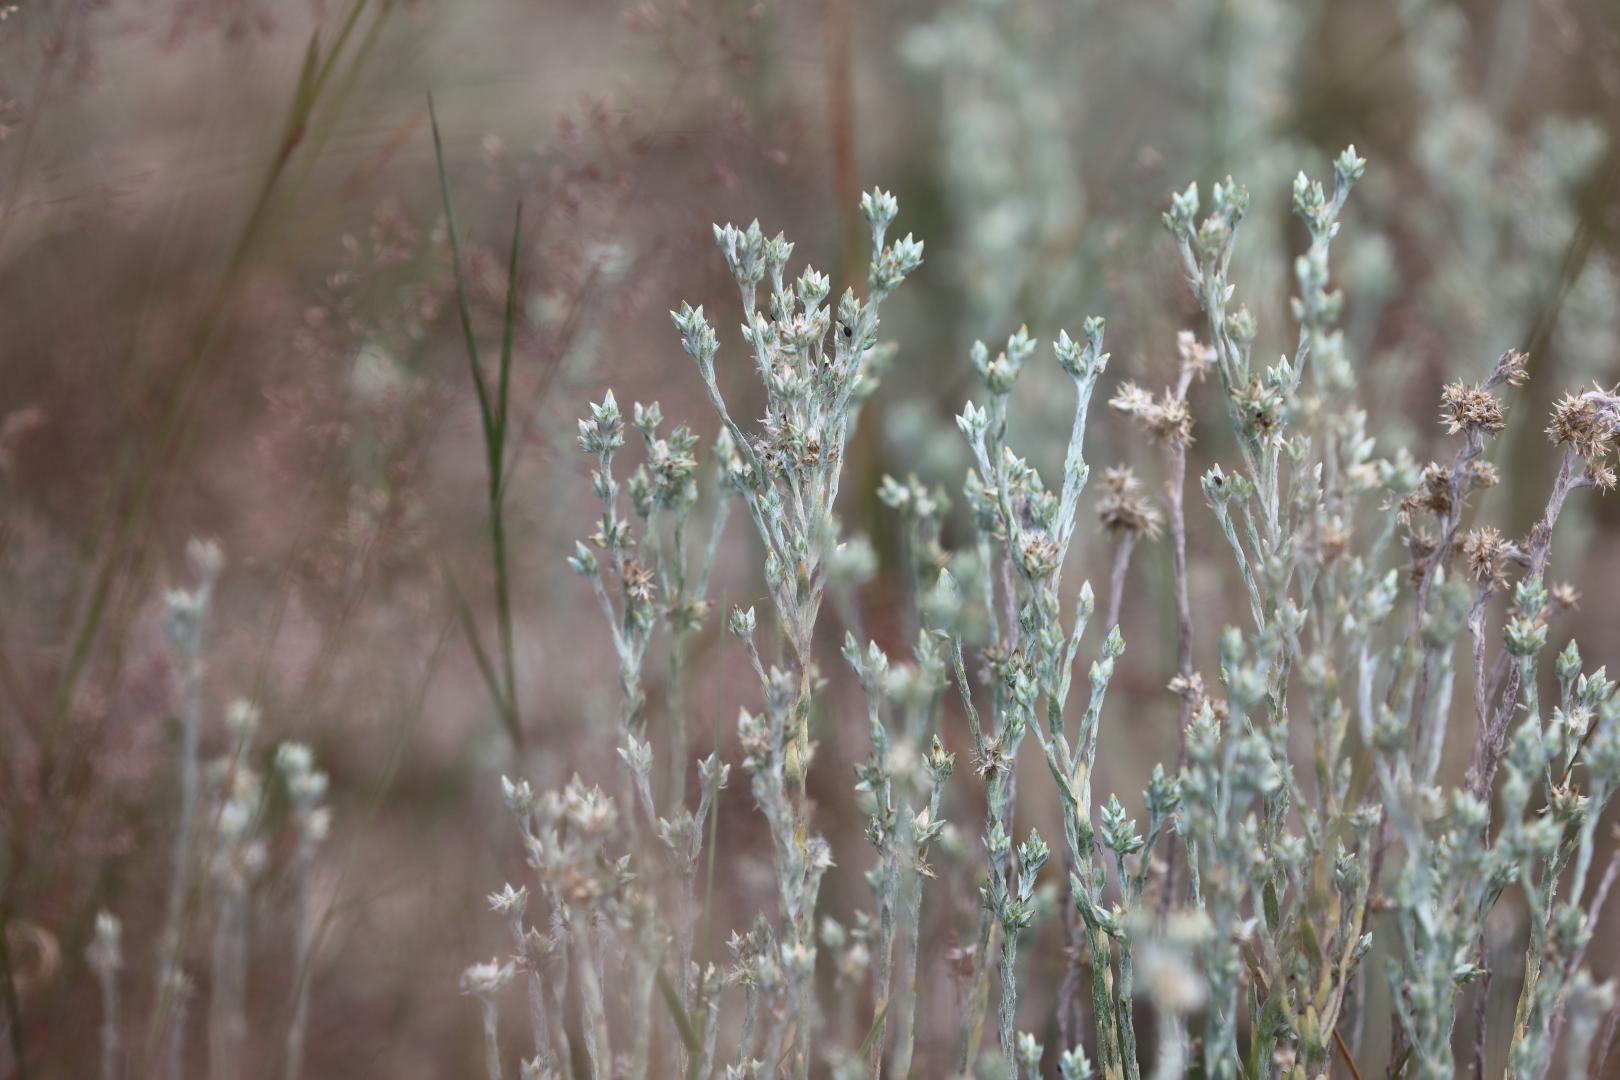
(219, 863)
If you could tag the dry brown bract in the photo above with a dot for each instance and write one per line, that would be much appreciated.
(1166, 420)
(1433, 493)
(1123, 510)
(1483, 548)
(1579, 423)
(1465, 405)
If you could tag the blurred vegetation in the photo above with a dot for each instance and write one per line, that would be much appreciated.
(229, 311)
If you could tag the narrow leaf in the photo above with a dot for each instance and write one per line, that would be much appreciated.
(683, 1024)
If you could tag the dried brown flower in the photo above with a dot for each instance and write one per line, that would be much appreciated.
(1466, 406)
(1433, 493)
(1123, 510)
(1422, 547)
(1482, 475)
(1483, 548)
(1191, 689)
(1509, 369)
(1578, 423)
(993, 760)
(1166, 420)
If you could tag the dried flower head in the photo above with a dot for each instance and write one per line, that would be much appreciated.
(1166, 420)
(1509, 369)
(1422, 547)
(1192, 690)
(1465, 406)
(1433, 493)
(992, 760)
(1196, 357)
(1483, 549)
(1123, 510)
(638, 582)
(1582, 425)
(1482, 475)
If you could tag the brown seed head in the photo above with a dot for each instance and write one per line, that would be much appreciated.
(1482, 548)
(1433, 493)
(1166, 420)
(1466, 406)
(1123, 510)
(1482, 475)
(1578, 423)
(1509, 369)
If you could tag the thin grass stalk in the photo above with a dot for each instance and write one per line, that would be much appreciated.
(493, 415)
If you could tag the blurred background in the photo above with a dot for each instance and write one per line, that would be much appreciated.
(227, 311)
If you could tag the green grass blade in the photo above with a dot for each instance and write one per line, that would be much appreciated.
(503, 391)
(485, 668)
(497, 489)
(877, 1025)
(462, 302)
(683, 1023)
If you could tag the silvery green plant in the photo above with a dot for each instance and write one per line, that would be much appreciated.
(1358, 580)
(1451, 875)
(655, 586)
(819, 365)
(903, 823)
(1284, 876)
(653, 576)
(1022, 534)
